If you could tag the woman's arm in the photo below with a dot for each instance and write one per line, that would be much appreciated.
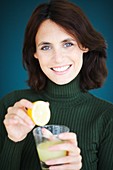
(105, 153)
(10, 149)
(10, 154)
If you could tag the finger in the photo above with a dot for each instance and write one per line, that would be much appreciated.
(75, 152)
(13, 119)
(46, 133)
(9, 120)
(65, 160)
(24, 103)
(19, 113)
(66, 147)
(73, 166)
(69, 136)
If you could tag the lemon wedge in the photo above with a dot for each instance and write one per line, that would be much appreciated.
(40, 113)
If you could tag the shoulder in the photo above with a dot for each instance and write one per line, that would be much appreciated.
(11, 98)
(102, 113)
(103, 108)
(99, 102)
(17, 94)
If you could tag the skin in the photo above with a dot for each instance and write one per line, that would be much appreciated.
(58, 53)
(61, 60)
(18, 124)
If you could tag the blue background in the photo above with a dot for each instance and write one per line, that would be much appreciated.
(14, 15)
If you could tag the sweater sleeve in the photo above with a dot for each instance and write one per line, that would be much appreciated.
(16, 155)
(10, 152)
(105, 153)
(10, 155)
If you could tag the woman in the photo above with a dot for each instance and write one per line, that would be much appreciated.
(65, 57)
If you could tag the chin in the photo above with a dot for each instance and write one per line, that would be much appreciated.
(62, 82)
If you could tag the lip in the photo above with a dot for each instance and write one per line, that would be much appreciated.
(61, 69)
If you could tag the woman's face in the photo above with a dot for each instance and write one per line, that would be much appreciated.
(58, 53)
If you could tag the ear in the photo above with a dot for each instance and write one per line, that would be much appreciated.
(85, 50)
(35, 55)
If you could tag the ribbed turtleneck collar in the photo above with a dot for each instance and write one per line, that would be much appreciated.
(67, 91)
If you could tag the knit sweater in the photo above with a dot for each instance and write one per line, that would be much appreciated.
(89, 117)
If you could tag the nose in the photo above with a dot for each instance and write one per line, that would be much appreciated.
(58, 56)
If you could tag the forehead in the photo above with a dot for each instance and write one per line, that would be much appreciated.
(50, 30)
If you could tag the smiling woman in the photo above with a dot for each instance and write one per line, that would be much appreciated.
(65, 57)
(60, 57)
(79, 29)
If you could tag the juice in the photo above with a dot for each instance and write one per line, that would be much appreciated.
(45, 154)
(46, 137)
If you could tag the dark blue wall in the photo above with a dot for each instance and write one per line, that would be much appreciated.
(14, 15)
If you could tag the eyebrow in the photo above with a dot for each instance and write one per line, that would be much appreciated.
(67, 40)
(44, 43)
(48, 43)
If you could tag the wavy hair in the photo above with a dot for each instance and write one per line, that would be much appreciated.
(71, 18)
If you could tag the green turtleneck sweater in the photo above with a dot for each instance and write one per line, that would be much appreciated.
(89, 117)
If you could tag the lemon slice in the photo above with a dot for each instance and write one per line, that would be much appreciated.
(40, 113)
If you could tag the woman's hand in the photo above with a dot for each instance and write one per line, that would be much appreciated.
(73, 159)
(18, 124)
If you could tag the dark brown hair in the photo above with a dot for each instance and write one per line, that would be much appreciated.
(72, 19)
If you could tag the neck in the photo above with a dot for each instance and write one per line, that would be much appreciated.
(69, 90)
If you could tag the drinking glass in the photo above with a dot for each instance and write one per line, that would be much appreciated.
(43, 143)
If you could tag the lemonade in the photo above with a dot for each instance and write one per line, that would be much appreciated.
(46, 137)
(45, 154)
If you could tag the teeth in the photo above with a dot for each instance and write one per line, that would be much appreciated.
(61, 68)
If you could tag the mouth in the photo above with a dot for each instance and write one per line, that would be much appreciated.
(61, 68)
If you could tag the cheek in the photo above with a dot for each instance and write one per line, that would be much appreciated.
(78, 62)
(42, 58)
(43, 61)
(78, 58)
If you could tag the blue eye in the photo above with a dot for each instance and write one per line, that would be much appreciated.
(45, 48)
(68, 44)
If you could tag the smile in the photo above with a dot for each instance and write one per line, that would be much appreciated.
(61, 69)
